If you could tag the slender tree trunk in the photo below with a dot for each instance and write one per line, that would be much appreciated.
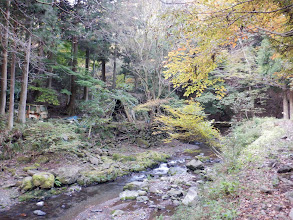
(5, 61)
(71, 105)
(87, 63)
(24, 83)
(114, 69)
(104, 70)
(291, 104)
(12, 84)
(285, 105)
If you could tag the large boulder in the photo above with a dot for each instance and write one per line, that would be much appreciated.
(27, 183)
(44, 180)
(191, 196)
(68, 175)
(195, 165)
(128, 195)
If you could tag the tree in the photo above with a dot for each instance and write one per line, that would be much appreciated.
(5, 60)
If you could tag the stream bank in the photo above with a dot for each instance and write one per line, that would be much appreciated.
(74, 200)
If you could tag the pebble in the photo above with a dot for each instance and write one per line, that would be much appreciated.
(40, 204)
(39, 213)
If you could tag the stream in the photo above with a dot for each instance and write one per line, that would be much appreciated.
(68, 206)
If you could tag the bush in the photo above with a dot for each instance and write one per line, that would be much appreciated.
(188, 123)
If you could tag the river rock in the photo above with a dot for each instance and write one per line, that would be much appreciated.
(128, 195)
(68, 175)
(39, 213)
(117, 213)
(176, 170)
(136, 185)
(40, 204)
(142, 193)
(191, 196)
(27, 183)
(142, 199)
(195, 165)
(174, 193)
(44, 180)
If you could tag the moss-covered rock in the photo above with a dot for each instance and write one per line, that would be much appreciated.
(42, 159)
(128, 195)
(24, 159)
(25, 169)
(27, 183)
(44, 180)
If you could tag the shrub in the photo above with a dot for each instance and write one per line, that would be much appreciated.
(188, 123)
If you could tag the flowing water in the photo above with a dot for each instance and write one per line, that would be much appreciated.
(68, 206)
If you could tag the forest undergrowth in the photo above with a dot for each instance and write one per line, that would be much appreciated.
(248, 184)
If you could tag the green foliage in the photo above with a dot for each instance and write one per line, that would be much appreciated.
(57, 182)
(223, 188)
(188, 123)
(267, 65)
(46, 95)
(46, 136)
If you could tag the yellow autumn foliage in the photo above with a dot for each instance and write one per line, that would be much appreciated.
(188, 123)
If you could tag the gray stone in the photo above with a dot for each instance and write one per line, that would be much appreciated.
(117, 213)
(266, 190)
(176, 202)
(285, 169)
(176, 170)
(175, 193)
(195, 165)
(142, 199)
(128, 195)
(40, 204)
(68, 175)
(39, 213)
(142, 192)
(291, 214)
(191, 196)
(95, 160)
(136, 185)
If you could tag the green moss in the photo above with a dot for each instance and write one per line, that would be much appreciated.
(27, 184)
(192, 151)
(42, 160)
(24, 159)
(26, 197)
(44, 180)
(25, 169)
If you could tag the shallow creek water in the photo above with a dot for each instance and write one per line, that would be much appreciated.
(68, 206)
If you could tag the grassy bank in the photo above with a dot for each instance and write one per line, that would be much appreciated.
(244, 179)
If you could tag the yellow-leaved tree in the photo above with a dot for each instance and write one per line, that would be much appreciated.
(188, 123)
(205, 30)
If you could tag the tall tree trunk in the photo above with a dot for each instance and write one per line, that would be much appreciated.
(114, 68)
(291, 104)
(87, 64)
(104, 70)
(5, 61)
(285, 105)
(71, 105)
(12, 84)
(24, 83)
